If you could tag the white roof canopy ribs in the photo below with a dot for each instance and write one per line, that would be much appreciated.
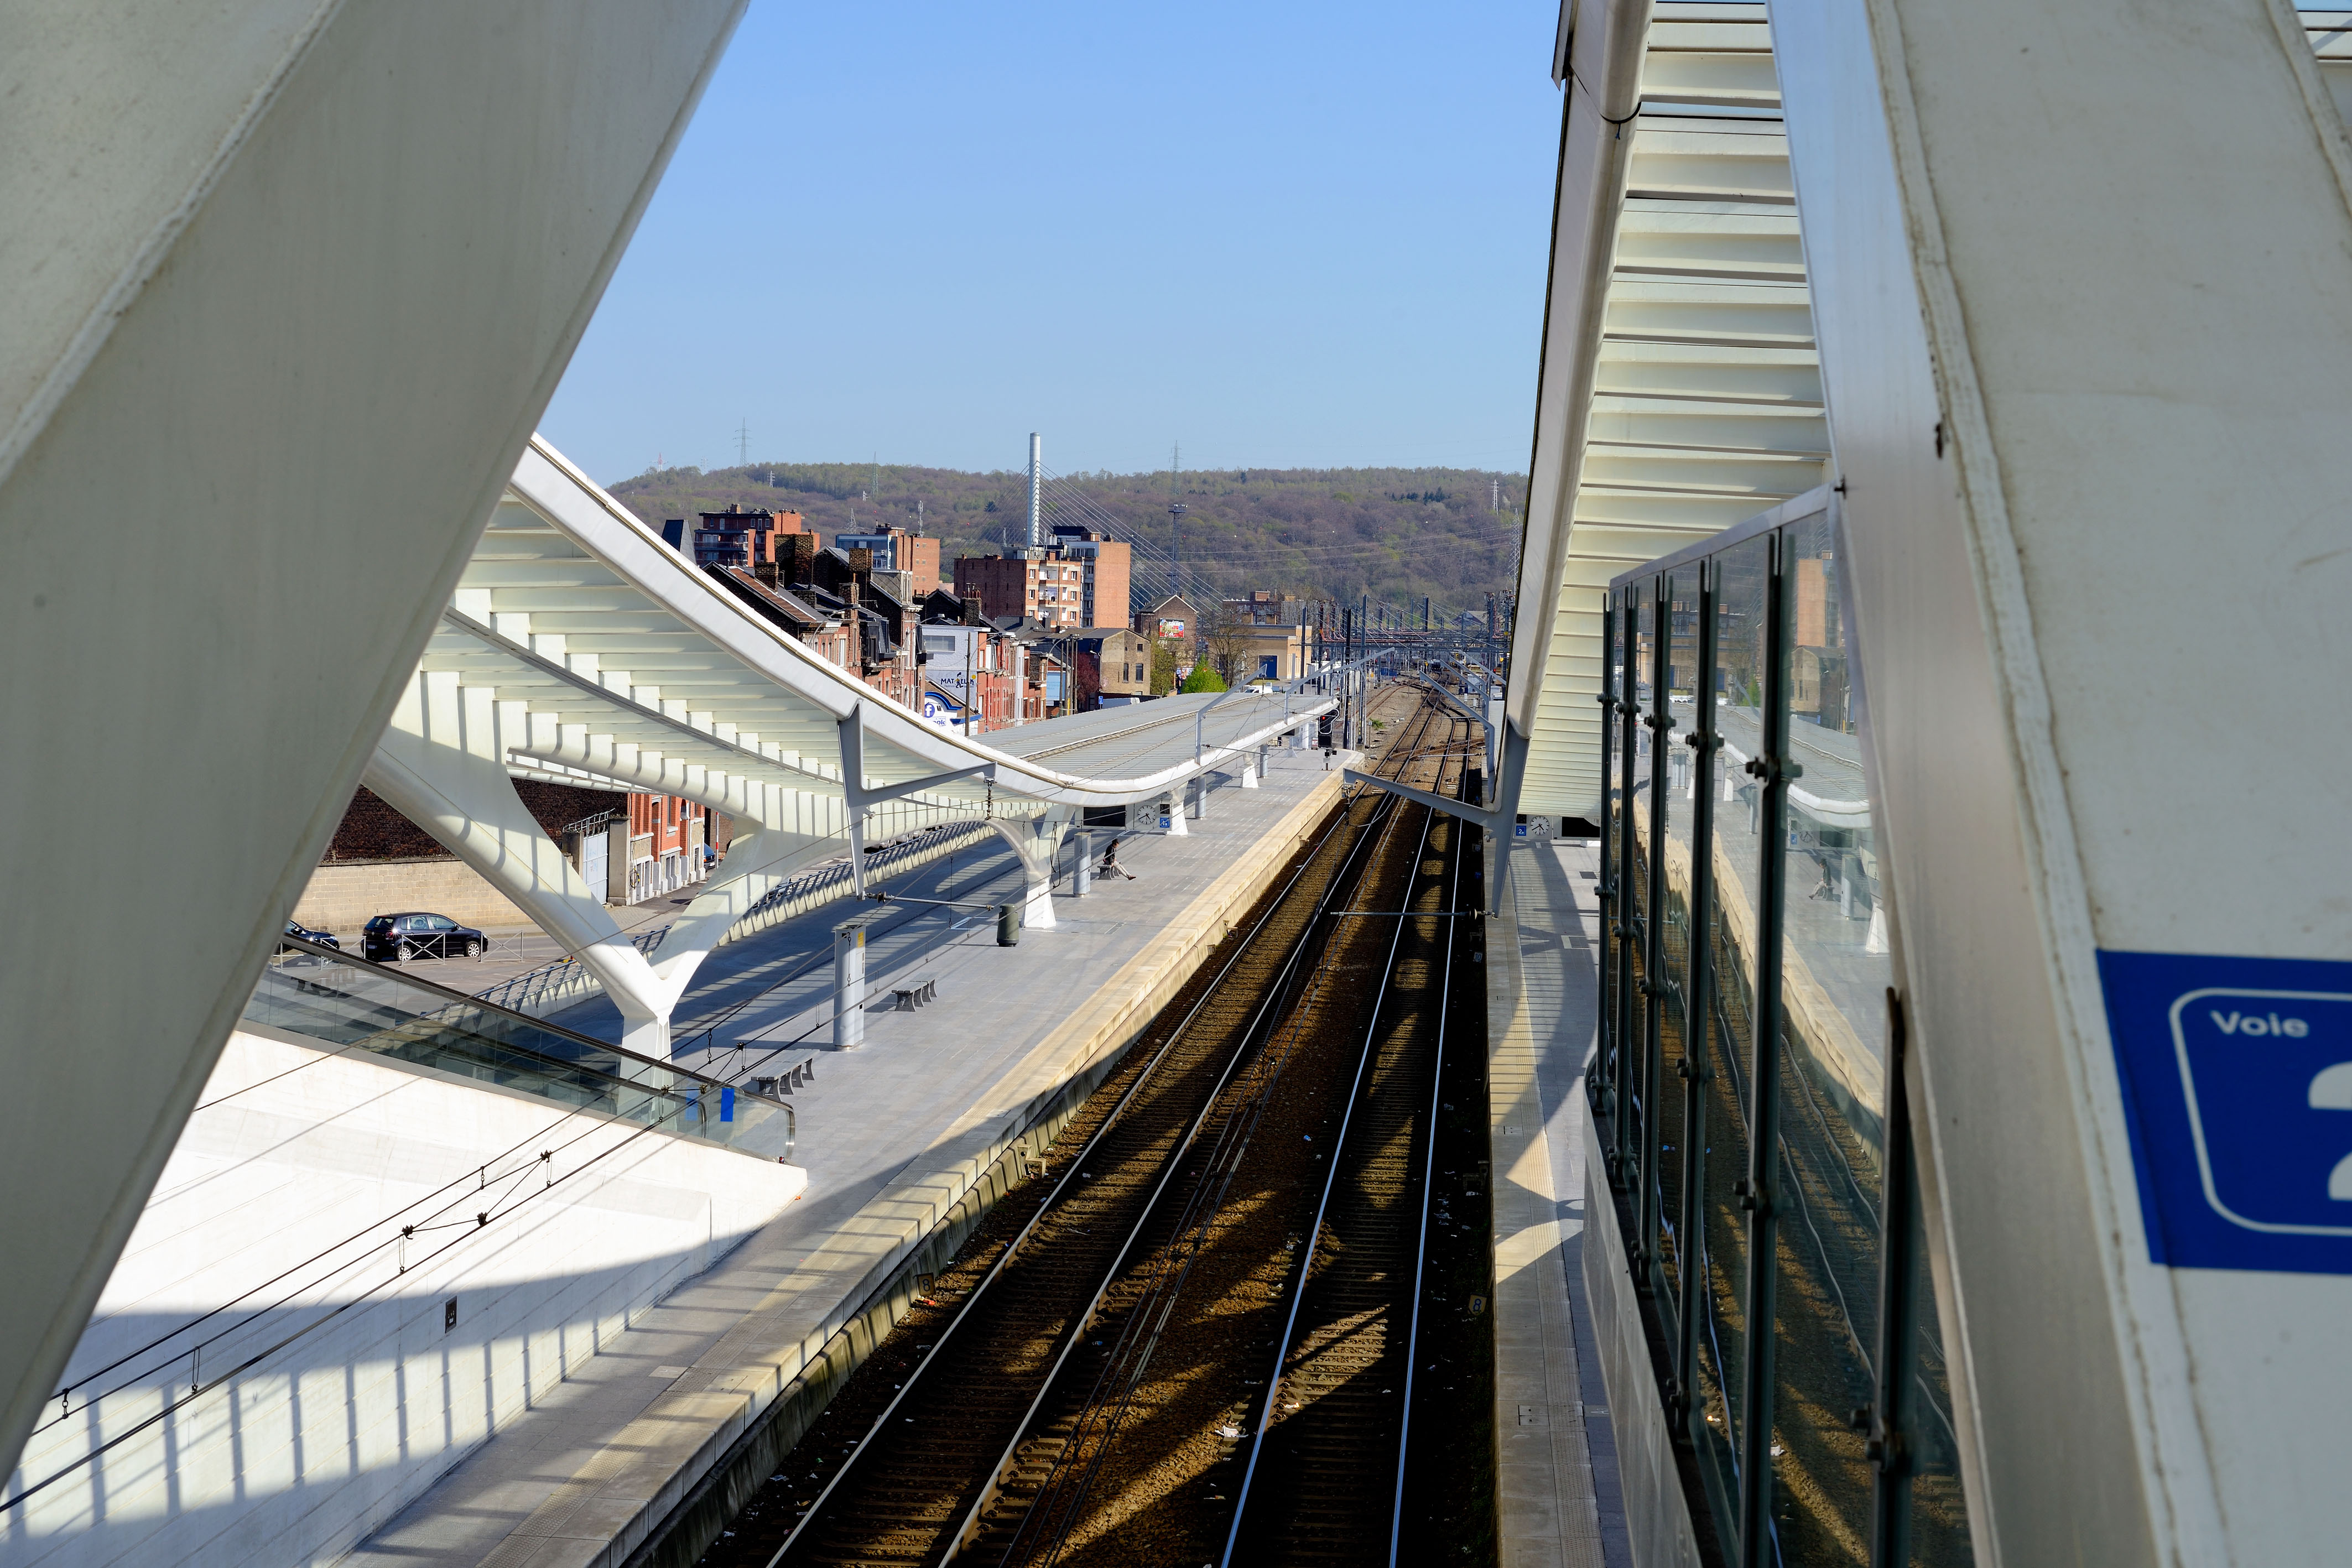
(579, 648)
(1700, 403)
(575, 609)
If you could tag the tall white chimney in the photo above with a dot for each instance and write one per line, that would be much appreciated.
(1036, 474)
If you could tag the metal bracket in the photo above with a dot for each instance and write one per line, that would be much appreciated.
(853, 787)
(1481, 815)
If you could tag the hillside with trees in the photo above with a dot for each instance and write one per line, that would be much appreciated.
(1398, 534)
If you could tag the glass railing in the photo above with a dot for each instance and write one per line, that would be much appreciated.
(1748, 1085)
(347, 1002)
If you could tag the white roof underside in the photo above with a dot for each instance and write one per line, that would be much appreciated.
(1705, 402)
(613, 643)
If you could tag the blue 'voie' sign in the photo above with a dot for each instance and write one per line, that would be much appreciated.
(2238, 1085)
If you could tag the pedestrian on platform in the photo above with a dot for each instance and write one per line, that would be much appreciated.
(1110, 866)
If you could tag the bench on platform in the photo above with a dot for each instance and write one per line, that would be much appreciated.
(781, 1085)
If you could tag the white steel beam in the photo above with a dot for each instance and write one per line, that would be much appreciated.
(288, 284)
(2088, 357)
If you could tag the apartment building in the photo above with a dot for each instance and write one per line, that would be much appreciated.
(1081, 578)
(733, 538)
(898, 549)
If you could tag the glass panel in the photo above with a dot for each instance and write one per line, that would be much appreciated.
(319, 994)
(1939, 1517)
(1731, 927)
(1674, 928)
(1629, 766)
(1637, 901)
(1831, 1088)
(1611, 827)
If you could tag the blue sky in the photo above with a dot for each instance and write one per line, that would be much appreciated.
(1283, 234)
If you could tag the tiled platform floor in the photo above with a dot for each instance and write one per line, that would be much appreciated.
(1560, 1505)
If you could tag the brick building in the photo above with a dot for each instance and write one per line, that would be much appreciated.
(853, 615)
(1109, 666)
(1079, 579)
(898, 549)
(667, 834)
(795, 613)
(734, 536)
(1122, 663)
(1172, 617)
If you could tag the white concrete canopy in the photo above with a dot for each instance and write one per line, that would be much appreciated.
(578, 646)
(288, 284)
(1681, 390)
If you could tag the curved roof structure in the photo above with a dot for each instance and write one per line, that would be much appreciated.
(614, 645)
(1682, 387)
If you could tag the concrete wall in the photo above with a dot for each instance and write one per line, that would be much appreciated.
(341, 898)
(280, 1210)
(1658, 1518)
(256, 256)
(2086, 360)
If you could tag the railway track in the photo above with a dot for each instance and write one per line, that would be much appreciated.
(1330, 1455)
(1056, 1412)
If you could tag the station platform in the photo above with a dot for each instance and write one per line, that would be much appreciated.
(1559, 1504)
(905, 1142)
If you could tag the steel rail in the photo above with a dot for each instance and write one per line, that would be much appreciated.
(1274, 1381)
(1428, 1184)
(1136, 1359)
(968, 1528)
(863, 1456)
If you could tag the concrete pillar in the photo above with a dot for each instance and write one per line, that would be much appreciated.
(168, 357)
(1172, 814)
(1251, 766)
(1036, 840)
(1196, 805)
(1082, 867)
(850, 984)
(1037, 901)
(2066, 654)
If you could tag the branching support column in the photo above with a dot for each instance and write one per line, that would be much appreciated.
(440, 764)
(443, 764)
(1037, 840)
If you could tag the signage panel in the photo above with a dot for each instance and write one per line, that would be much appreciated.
(2237, 1078)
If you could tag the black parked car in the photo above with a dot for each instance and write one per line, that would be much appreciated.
(323, 939)
(399, 937)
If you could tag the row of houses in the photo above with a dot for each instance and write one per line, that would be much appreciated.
(1027, 634)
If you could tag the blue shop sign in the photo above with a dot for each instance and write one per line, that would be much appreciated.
(2237, 1078)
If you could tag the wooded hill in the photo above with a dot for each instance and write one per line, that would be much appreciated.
(1397, 534)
